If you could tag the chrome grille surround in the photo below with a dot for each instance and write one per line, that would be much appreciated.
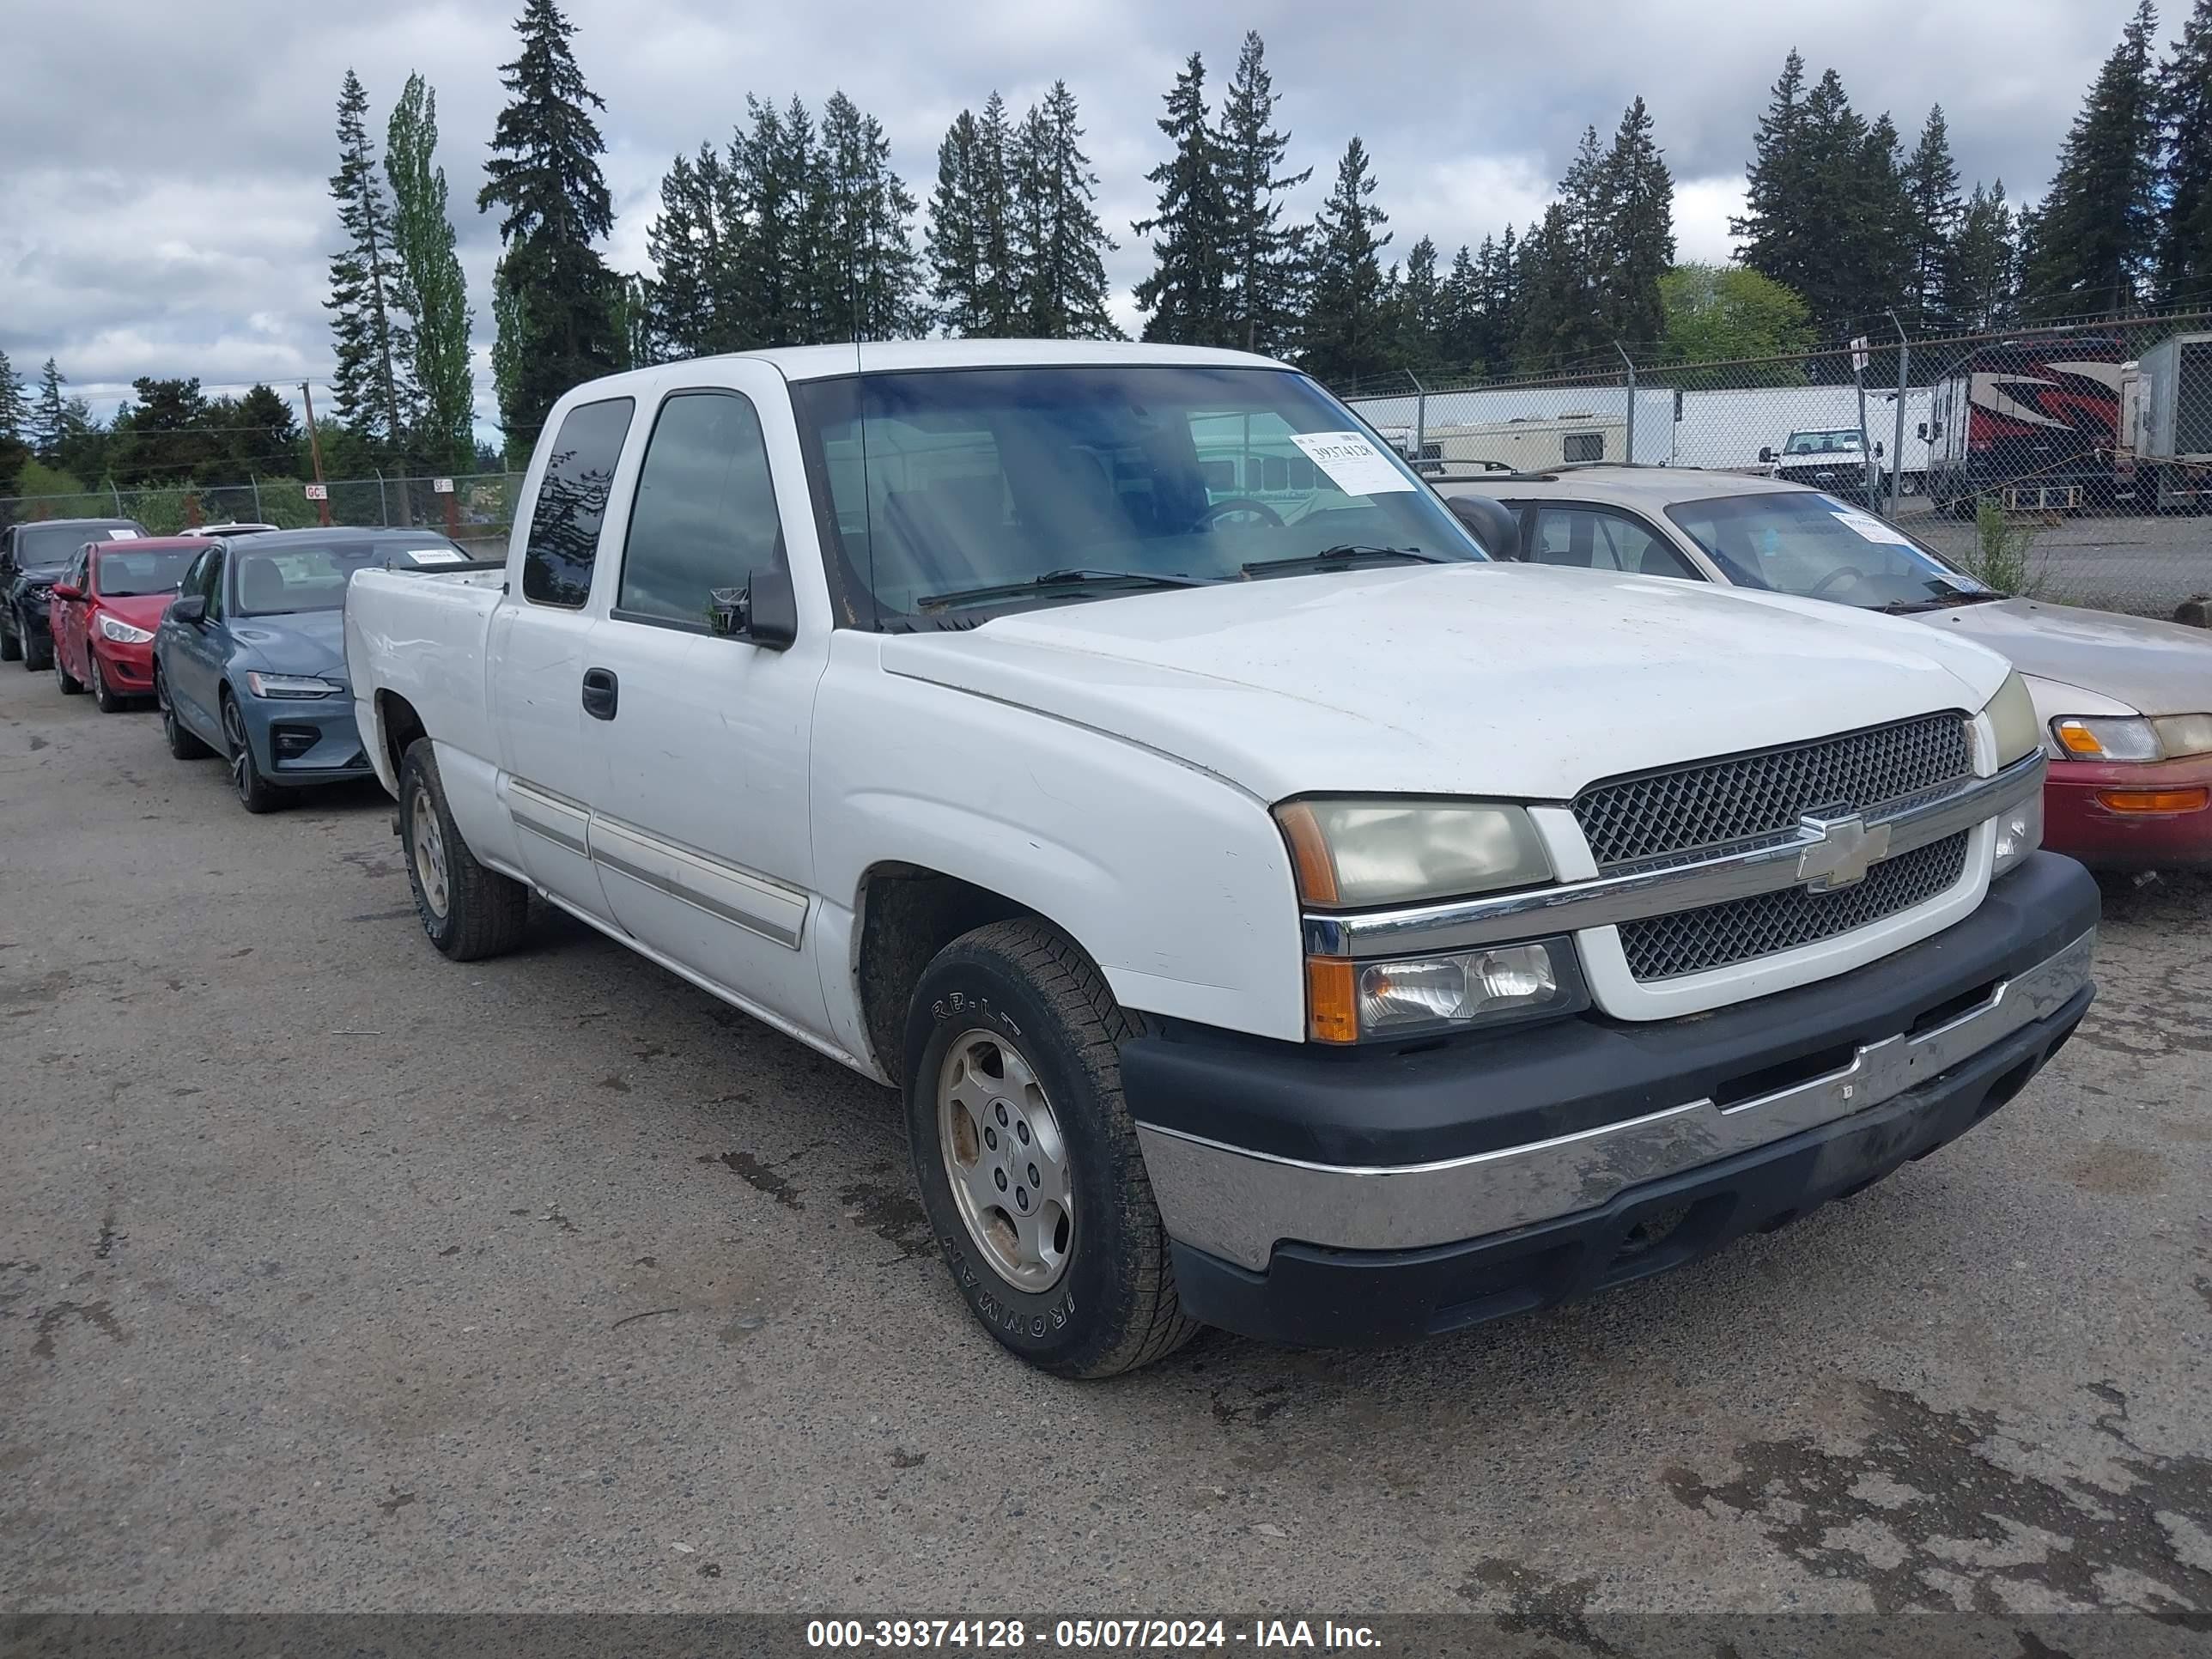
(1766, 924)
(1713, 805)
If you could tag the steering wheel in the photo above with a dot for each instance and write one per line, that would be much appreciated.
(1222, 509)
(1835, 578)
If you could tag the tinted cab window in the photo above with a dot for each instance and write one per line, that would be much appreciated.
(705, 516)
(572, 503)
(1590, 538)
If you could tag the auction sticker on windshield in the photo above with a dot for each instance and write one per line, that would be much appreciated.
(437, 555)
(1868, 528)
(1354, 465)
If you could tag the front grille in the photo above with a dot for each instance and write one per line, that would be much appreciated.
(1719, 935)
(1721, 804)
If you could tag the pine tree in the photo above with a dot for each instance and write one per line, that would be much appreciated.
(1186, 299)
(431, 289)
(372, 347)
(1421, 311)
(15, 410)
(1549, 321)
(777, 173)
(544, 176)
(2096, 232)
(691, 306)
(1587, 251)
(1771, 234)
(1639, 198)
(950, 243)
(268, 442)
(999, 296)
(1500, 270)
(1266, 256)
(1931, 194)
(2184, 108)
(510, 344)
(1063, 253)
(1460, 332)
(1347, 326)
(1981, 279)
(867, 274)
(50, 422)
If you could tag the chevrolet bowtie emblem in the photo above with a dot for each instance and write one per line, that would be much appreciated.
(1841, 850)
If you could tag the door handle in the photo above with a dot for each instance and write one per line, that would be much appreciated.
(601, 691)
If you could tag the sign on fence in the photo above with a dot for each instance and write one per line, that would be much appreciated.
(319, 492)
(1859, 355)
(441, 486)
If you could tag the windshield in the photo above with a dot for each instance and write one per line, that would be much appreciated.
(1821, 443)
(36, 547)
(1801, 542)
(279, 581)
(1067, 484)
(120, 575)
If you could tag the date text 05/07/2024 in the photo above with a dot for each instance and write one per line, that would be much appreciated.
(1110, 1634)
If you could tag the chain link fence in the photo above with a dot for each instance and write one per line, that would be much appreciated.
(477, 510)
(2073, 464)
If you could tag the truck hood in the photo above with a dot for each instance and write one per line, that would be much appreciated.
(2153, 667)
(1510, 680)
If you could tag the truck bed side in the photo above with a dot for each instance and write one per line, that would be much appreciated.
(421, 638)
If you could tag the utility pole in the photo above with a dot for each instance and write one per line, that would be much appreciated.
(315, 452)
(1897, 441)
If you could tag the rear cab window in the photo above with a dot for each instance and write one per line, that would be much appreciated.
(1597, 538)
(572, 503)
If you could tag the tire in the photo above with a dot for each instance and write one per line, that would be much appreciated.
(102, 693)
(1016, 1006)
(469, 911)
(255, 792)
(38, 655)
(182, 743)
(11, 647)
(70, 684)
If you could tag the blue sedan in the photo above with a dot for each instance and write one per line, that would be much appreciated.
(250, 659)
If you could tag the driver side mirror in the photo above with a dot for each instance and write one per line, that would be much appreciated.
(764, 611)
(1921, 431)
(1767, 454)
(68, 590)
(190, 610)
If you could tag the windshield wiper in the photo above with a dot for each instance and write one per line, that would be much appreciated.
(1939, 602)
(1052, 579)
(1349, 554)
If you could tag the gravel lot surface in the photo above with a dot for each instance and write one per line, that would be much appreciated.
(337, 1276)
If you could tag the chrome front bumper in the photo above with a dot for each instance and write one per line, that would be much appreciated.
(1237, 1205)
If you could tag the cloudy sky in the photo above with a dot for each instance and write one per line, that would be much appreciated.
(163, 205)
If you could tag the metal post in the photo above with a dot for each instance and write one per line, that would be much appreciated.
(1631, 439)
(1866, 444)
(1421, 419)
(255, 479)
(315, 452)
(117, 494)
(1897, 443)
(383, 507)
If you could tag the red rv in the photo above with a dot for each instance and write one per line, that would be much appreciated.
(2032, 423)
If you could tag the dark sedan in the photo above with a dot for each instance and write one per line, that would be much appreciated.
(249, 661)
(33, 557)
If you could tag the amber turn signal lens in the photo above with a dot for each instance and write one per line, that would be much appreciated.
(2077, 739)
(1331, 1007)
(2154, 800)
(1309, 858)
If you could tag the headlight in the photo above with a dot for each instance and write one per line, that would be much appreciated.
(1467, 989)
(290, 686)
(1347, 853)
(2019, 832)
(122, 632)
(2012, 716)
(2169, 737)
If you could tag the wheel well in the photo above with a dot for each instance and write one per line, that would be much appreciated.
(398, 723)
(908, 915)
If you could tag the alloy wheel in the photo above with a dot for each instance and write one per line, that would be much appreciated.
(1008, 1160)
(427, 845)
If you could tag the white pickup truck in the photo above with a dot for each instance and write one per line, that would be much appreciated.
(1276, 915)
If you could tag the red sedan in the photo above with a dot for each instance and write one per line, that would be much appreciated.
(104, 609)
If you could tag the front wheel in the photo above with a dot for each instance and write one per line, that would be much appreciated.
(102, 693)
(469, 911)
(1027, 1157)
(37, 655)
(255, 792)
(11, 646)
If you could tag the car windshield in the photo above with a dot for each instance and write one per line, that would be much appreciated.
(119, 574)
(1821, 443)
(36, 547)
(1801, 541)
(967, 489)
(280, 582)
